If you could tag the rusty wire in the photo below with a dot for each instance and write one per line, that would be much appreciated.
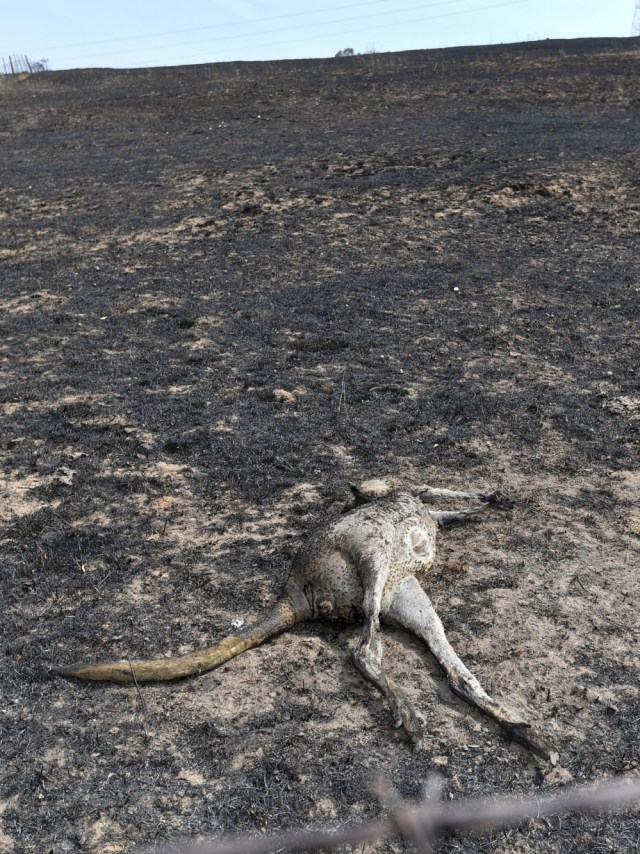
(424, 823)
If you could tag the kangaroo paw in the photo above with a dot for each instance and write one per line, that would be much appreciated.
(406, 717)
(498, 500)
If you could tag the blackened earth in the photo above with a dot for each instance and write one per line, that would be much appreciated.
(226, 291)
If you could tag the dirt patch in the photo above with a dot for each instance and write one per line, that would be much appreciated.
(227, 291)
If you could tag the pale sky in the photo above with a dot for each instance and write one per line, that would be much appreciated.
(141, 33)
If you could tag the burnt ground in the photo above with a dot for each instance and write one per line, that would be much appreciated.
(226, 291)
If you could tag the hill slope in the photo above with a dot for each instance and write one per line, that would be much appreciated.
(226, 291)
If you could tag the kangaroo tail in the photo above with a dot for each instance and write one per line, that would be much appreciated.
(283, 616)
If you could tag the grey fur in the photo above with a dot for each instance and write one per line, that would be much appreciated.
(364, 565)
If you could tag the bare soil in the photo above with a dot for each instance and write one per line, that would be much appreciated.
(226, 291)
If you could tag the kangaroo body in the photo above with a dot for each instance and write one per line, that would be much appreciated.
(359, 567)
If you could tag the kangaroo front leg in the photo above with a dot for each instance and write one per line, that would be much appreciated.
(492, 501)
(411, 609)
(367, 657)
(446, 517)
(425, 491)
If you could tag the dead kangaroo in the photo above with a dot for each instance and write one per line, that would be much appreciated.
(360, 565)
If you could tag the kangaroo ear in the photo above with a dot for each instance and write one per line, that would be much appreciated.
(369, 490)
(357, 494)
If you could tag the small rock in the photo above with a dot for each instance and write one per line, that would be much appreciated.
(284, 396)
(65, 475)
(558, 775)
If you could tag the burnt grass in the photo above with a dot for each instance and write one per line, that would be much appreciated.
(226, 291)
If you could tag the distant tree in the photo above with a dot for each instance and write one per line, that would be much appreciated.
(348, 51)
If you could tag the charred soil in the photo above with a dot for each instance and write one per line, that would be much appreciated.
(226, 291)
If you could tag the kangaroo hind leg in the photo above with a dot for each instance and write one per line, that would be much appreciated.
(367, 658)
(411, 609)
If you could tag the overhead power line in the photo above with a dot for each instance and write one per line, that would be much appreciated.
(228, 24)
(283, 43)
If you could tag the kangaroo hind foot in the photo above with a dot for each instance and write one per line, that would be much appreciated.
(367, 658)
